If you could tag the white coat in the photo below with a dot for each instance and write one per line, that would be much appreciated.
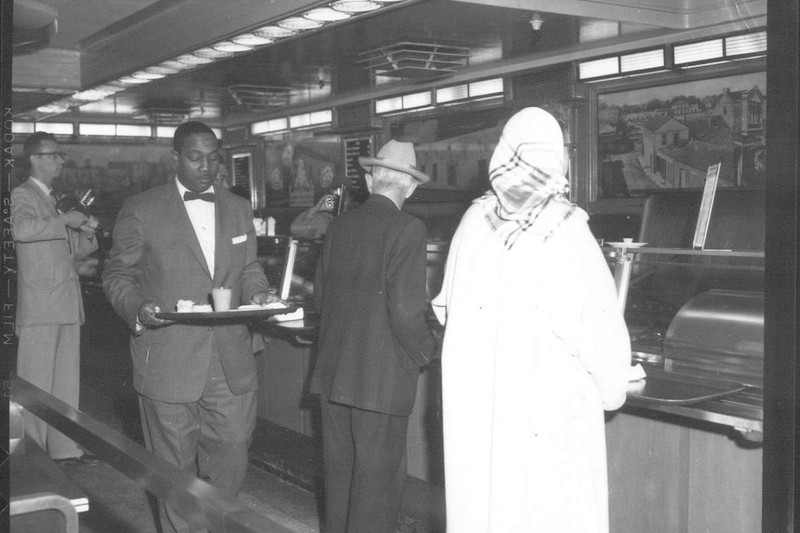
(535, 348)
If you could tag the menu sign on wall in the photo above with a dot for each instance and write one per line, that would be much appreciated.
(355, 148)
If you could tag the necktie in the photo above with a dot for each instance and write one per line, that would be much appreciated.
(205, 196)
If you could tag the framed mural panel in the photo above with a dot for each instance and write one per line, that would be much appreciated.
(666, 136)
(298, 170)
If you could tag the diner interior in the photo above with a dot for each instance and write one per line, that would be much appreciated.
(668, 110)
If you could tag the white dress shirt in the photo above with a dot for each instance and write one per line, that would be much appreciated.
(202, 215)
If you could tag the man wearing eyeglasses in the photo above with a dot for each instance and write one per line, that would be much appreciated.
(49, 303)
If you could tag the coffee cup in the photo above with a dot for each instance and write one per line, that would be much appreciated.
(222, 298)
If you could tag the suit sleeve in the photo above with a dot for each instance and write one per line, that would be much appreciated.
(254, 280)
(83, 244)
(604, 349)
(29, 226)
(406, 295)
(123, 270)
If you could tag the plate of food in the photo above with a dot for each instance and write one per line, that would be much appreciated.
(189, 311)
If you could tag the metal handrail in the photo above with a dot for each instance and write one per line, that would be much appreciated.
(196, 501)
(46, 501)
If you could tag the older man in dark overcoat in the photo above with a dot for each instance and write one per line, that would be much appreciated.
(374, 338)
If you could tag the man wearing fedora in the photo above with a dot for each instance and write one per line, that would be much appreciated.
(373, 339)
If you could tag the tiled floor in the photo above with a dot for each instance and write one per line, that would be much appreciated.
(285, 467)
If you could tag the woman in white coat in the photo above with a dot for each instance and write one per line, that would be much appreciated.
(535, 348)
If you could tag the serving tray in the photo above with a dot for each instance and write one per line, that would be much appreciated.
(232, 315)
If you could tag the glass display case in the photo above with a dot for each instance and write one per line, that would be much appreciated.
(696, 316)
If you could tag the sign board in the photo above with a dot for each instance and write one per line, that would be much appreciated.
(355, 148)
(704, 216)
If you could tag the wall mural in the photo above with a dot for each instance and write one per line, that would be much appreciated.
(113, 171)
(299, 171)
(666, 137)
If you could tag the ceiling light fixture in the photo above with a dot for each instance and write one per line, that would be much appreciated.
(210, 53)
(148, 76)
(274, 32)
(230, 46)
(193, 60)
(251, 39)
(91, 95)
(536, 23)
(355, 6)
(299, 23)
(326, 14)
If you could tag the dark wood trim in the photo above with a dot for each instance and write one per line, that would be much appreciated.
(780, 467)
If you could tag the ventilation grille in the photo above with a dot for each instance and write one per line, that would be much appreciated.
(259, 97)
(415, 60)
(236, 136)
(163, 115)
(543, 86)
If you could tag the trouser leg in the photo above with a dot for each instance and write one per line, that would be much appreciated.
(49, 358)
(380, 472)
(172, 431)
(208, 438)
(337, 463)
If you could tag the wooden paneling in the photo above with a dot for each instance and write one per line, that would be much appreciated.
(670, 477)
(283, 373)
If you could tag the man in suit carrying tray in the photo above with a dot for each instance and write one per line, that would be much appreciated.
(373, 340)
(196, 382)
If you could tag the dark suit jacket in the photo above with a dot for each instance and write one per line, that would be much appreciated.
(156, 257)
(370, 290)
(49, 289)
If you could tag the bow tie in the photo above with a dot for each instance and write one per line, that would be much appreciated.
(191, 195)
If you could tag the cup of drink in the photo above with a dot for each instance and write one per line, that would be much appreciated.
(222, 298)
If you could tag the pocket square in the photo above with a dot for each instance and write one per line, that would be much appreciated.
(239, 239)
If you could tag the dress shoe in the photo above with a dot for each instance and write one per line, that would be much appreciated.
(86, 459)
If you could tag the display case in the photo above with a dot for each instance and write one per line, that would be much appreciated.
(696, 316)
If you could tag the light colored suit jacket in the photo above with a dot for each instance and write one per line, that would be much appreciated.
(49, 290)
(156, 257)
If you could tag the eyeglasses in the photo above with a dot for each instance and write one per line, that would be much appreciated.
(62, 155)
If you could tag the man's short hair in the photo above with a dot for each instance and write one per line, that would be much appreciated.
(186, 130)
(34, 141)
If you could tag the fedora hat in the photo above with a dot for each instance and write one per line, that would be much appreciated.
(398, 156)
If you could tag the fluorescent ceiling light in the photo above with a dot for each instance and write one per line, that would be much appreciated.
(326, 14)
(642, 60)
(230, 46)
(56, 128)
(164, 70)
(106, 130)
(449, 94)
(251, 39)
(598, 67)
(147, 76)
(210, 53)
(355, 6)
(175, 64)
(190, 59)
(750, 43)
(133, 130)
(91, 95)
(689, 53)
(130, 80)
(299, 23)
(485, 87)
(274, 32)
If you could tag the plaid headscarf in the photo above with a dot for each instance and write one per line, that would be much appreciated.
(529, 189)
